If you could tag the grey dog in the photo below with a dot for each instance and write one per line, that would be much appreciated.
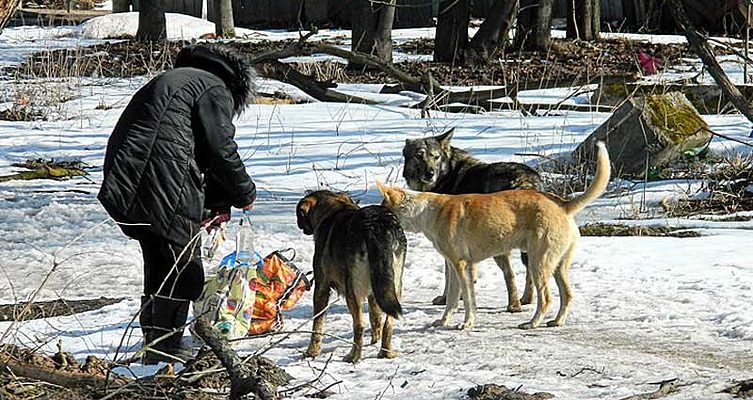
(433, 165)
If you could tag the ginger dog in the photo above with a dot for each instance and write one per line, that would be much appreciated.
(469, 228)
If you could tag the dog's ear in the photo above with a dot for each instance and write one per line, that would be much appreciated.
(302, 215)
(384, 190)
(445, 138)
(344, 196)
(408, 145)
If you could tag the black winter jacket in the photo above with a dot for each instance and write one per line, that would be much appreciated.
(174, 144)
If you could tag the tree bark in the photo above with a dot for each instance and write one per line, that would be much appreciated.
(583, 19)
(119, 6)
(7, 8)
(534, 31)
(596, 19)
(152, 24)
(703, 50)
(493, 32)
(451, 38)
(372, 29)
(224, 26)
(243, 380)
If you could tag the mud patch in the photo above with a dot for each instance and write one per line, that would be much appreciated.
(52, 308)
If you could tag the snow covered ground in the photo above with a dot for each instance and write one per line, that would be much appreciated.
(645, 309)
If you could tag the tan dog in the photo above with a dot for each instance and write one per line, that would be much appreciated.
(469, 228)
(360, 253)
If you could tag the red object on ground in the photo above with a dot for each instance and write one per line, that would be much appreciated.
(649, 64)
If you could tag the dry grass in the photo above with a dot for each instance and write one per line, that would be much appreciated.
(726, 189)
(603, 229)
(324, 71)
(273, 100)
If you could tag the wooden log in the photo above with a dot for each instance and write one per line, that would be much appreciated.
(647, 132)
(243, 380)
(318, 90)
(7, 8)
(707, 99)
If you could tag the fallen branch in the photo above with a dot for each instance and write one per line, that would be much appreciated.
(319, 90)
(243, 380)
(7, 8)
(703, 50)
(437, 97)
(665, 389)
(44, 371)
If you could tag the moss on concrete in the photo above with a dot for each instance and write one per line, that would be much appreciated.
(674, 116)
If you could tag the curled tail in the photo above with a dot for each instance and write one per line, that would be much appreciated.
(598, 186)
(386, 246)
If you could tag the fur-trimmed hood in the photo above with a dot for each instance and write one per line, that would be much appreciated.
(227, 64)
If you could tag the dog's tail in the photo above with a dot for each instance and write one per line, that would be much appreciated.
(386, 247)
(598, 186)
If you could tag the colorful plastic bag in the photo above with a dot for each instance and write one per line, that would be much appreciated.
(241, 301)
(279, 286)
(228, 297)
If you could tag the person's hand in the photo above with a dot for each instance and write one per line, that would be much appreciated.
(215, 220)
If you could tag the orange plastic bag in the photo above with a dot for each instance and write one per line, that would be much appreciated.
(279, 284)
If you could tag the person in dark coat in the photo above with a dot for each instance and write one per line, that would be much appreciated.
(170, 157)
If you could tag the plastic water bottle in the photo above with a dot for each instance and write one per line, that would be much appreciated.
(244, 245)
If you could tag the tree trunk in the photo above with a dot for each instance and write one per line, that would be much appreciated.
(372, 29)
(703, 50)
(580, 19)
(7, 8)
(534, 30)
(383, 32)
(451, 38)
(224, 26)
(493, 32)
(152, 24)
(583, 19)
(119, 6)
(596, 19)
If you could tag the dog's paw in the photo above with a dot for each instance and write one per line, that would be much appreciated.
(439, 323)
(527, 298)
(465, 326)
(527, 325)
(352, 357)
(514, 308)
(375, 339)
(311, 353)
(553, 323)
(387, 354)
(439, 301)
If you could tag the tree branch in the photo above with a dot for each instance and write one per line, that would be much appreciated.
(703, 50)
(243, 380)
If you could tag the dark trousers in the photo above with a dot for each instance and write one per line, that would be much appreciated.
(183, 279)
